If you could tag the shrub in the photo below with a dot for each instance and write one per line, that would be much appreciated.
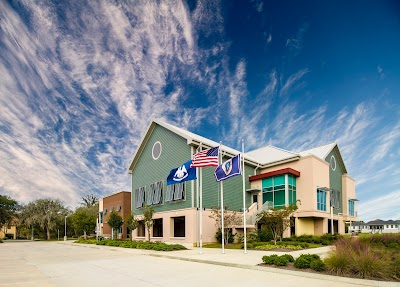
(251, 237)
(288, 257)
(318, 265)
(301, 263)
(281, 261)
(231, 236)
(304, 260)
(270, 260)
(264, 234)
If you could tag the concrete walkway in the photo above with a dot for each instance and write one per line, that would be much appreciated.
(250, 260)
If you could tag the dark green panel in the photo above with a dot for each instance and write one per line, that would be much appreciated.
(335, 176)
(175, 152)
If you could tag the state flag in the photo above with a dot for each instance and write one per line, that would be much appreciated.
(182, 173)
(228, 169)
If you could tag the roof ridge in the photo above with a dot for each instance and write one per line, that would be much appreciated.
(275, 147)
(319, 146)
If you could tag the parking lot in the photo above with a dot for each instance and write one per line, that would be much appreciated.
(66, 264)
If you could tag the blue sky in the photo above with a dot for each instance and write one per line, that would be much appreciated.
(80, 83)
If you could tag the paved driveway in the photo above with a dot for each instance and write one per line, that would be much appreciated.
(58, 264)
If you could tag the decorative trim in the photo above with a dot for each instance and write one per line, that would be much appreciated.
(275, 173)
(152, 150)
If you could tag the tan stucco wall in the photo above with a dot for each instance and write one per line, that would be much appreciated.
(314, 173)
(319, 228)
(191, 232)
(349, 192)
(304, 226)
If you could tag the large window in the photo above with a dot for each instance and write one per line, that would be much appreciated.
(101, 217)
(351, 207)
(140, 194)
(141, 229)
(175, 192)
(321, 199)
(155, 196)
(158, 227)
(179, 226)
(274, 190)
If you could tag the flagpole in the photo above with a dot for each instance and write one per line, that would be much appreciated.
(244, 202)
(222, 203)
(201, 211)
(201, 205)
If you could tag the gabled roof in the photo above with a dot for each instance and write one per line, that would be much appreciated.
(270, 154)
(262, 157)
(192, 139)
(321, 151)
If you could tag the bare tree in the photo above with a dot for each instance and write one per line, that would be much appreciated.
(231, 219)
(89, 200)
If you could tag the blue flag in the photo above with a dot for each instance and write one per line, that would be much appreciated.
(182, 173)
(228, 169)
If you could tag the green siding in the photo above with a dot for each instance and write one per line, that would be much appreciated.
(175, 152)
(233, 190)
(335, 176)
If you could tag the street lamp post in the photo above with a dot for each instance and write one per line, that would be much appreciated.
(65, 232)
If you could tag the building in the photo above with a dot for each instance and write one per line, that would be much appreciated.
(273, 178)
(376, 226)
(9, 231)
(121, 203)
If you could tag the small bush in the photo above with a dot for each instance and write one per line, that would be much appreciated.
(270, 260)
(288, 257)
(301, 263)
(231, 236)
(281, 261)
(318, 265)
(304, 260)
(264, 234)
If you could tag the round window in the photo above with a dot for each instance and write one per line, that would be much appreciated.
(156, 151)
(333, 163)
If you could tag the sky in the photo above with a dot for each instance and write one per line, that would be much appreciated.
(80, 82)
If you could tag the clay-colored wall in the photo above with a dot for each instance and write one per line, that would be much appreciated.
(349, 192)
(122, 198)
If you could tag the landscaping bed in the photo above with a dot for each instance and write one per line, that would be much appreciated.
(157, 246)
(376, 257)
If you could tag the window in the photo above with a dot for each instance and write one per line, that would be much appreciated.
(111, 208)
(101, 217)
(321, 199)
(128, 233)
(155, 196)
(179, 226)
(255, 198)
(274, 190)
(140, 194)
(351, 207)
(119, 208)
(141, 229)
(158, 227)
(156, 150)
(105, 211)
(391, 226)
(175, 192)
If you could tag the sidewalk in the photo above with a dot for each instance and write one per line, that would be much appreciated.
(237, 258)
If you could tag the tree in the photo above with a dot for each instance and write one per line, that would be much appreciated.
(84, 219)
(132, 223)
(8, 210)
(148, 212)
(45, 213)
(114, 221)
(89, 200)
(278, 220)
(231, 219)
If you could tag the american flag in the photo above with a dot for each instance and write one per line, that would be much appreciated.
(205, 158)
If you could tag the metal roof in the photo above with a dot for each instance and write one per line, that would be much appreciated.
(270, 154)
(262, 157)
(321, 151)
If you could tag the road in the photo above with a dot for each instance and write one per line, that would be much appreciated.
(58, 264)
